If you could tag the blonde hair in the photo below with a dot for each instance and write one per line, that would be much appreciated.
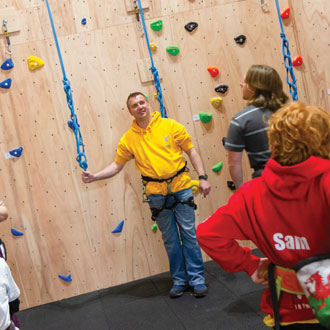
(297, 132)
(268, 87)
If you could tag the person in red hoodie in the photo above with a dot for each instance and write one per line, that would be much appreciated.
(285, 212)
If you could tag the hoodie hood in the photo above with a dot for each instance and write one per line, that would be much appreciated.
(292, 182)
(154, 120)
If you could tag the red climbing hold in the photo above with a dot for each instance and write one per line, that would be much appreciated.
(297, 61)
(285, 13)
(214, 71)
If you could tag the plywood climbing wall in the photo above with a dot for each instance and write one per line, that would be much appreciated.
(66, 224)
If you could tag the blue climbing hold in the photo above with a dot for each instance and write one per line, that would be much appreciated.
(7, 64)
(65, 278)
(16, 232)
(6, 83)
(119, 228)
(16, 152)
(84, 21)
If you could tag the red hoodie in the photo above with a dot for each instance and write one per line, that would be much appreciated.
(286, 213)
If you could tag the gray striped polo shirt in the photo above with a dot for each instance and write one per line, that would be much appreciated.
(248, 130)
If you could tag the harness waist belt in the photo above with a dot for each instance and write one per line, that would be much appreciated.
(149, 179)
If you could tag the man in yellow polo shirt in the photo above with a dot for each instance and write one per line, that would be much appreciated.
(156, 144)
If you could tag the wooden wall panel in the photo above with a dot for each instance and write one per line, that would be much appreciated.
(67, 225)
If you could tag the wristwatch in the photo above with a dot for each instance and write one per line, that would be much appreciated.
(203, 177)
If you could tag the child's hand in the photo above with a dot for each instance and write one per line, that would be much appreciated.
(260, 274)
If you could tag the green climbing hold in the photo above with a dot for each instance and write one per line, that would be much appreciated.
(205, 117)
(154, 227)
(173, 50)
(147, 97)
(217, 167)
(157, 26)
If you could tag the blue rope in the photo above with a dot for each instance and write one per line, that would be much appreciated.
(74, 125)
(290, 77)
(153, 69)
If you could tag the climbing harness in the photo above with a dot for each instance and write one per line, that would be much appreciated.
(155, 211)
(153, 69)
(9, 50)
(290, 77)
(81, 158)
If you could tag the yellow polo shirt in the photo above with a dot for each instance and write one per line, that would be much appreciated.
(157, 151)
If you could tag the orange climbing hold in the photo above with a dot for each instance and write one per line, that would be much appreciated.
(214, 71)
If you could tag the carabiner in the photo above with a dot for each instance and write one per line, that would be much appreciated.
(137, 14)
(5, 31)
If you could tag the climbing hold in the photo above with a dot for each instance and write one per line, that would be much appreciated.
(217, 167)
(231, 185)
(194, 186)
(119, 228)
(221, 89)
(153, 46)
(205, 117)
(285, 13)
(147, 98)
(214, 71)
(297, 61)
(14, 153)
(216, 102)
(34, 62)
(154, 227)
(240, 39)
(16, 232)
(84, 21)
(65, 278)
(173, 50)
(7, 64)
(157, 26)
(6, 83)
(191, 26)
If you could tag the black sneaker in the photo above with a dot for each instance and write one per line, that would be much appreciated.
(177, 290)
(200, 290)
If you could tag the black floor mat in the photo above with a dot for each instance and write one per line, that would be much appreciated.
(232, 303)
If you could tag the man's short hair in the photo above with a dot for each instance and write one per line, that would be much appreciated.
(297, 132)
(134, 95)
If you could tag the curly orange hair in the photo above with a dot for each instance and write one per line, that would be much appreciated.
(297, 132)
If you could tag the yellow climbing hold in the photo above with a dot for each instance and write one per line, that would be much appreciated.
(216, 102)
(34, 62)
(153, 46)
(194, 186)
(155, 96)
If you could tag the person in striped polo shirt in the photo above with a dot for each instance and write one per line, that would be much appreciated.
(262, 88)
